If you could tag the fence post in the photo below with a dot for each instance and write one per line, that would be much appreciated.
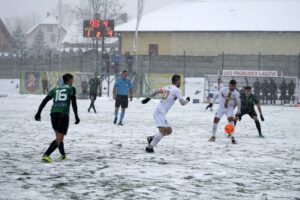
(50, 60)
(81, 60)
(184, 63)
(223, 60)
(259, 54)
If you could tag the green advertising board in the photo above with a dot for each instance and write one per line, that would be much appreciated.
(154, 81)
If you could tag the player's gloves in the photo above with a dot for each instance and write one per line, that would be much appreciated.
(262, 118)
(188, 99)
(144, 101)
(37, 117)
(77, 120)
(209, 106)
(238, 116)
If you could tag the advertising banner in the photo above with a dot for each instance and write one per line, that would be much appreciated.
(252, 73)
(154, 81)
(30, 82)
(39, 82)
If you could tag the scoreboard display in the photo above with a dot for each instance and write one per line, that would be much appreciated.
(98, 28)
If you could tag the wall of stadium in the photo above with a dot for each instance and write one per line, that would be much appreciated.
(214, 43)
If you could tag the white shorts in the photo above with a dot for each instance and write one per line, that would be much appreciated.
(229, 112)
(160, 119)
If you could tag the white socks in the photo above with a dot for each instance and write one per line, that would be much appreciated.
(214, 130)
(156, 139)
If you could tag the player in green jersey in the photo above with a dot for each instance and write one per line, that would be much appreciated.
(94, 87)
(62, 96)
(248, 100)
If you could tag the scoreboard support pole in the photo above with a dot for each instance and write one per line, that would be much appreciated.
(97, 56)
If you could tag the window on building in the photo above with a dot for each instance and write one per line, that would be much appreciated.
(53, 38)
(153, 49)
(50, 28)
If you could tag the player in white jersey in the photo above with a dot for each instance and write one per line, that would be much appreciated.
(228, 97)
(169, 95)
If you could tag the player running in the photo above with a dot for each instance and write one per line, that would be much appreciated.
(247, 107)
(169, 95)
(228, 96)
(61, 95)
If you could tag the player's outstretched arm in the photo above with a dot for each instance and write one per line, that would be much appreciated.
(146, 100)
(37, 116)
(75, 109)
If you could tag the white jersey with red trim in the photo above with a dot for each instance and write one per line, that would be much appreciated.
(169, 95)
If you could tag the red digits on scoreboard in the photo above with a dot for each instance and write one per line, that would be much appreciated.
(88, 33)
(95, 23)
(110, 33)
(98, 34)
(105, 22)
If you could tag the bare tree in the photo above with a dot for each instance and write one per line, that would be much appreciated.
(67, 14)
(106, 9)
(26, 22)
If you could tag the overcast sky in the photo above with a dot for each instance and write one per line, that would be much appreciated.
(11, 8)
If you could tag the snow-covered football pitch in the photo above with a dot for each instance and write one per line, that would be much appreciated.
(106, 161)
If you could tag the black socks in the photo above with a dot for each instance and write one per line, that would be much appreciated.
(61, 149)
(258, 127)
(51, 148)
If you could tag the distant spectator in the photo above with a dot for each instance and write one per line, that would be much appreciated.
(115, 59)
(129, 62)
(60, 81)
(106, 60)
(283, 88)
(291, 91)
(215, 90)
(257, 88)
(84, 89)
(94, 87)
(265, 91)
(45, 85)
(273, 91)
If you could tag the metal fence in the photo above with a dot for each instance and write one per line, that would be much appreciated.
(191, 66)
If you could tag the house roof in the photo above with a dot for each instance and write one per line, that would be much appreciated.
(49, 20)
(4, 29)
(221, 15)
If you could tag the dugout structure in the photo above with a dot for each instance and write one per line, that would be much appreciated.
(247, 78)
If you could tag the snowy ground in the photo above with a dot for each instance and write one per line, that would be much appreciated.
(108, 161)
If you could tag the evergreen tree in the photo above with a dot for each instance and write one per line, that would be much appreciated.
(38, 46)
(19, 41)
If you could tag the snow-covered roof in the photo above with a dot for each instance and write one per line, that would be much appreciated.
(48, 21)
(221, 15)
